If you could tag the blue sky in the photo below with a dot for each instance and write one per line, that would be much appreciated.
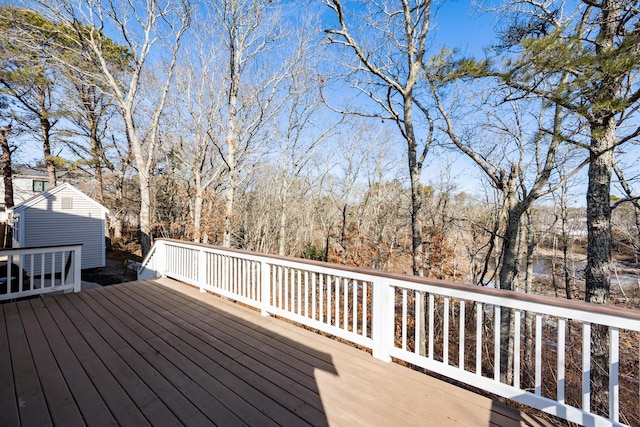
(462, 25)
(458, 24)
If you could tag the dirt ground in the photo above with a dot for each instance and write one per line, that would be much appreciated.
(115, 270)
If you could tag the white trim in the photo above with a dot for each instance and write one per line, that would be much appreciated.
(52, 191)
(16, 216)
(103, 246)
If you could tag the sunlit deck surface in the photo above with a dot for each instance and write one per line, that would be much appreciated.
(161, 353)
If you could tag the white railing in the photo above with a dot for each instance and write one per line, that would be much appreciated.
(452, 329)
(34, 271)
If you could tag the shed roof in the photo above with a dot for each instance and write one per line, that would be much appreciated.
(64, 186)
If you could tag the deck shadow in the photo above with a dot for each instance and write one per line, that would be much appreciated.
(158, 352)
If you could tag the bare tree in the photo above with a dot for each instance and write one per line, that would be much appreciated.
(119, 167)
(148, 29)
(303, 129)
(565, 236)
(506, 160)
(390, 56)
(367, 202)
(197, 121)
(88, 105)
(251, 32)
(632, 228)
(382, 213)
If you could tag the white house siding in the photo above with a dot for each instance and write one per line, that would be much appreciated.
(46, 223)
(23, 187)
(22, 190)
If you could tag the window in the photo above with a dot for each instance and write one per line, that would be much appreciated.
(40, 186)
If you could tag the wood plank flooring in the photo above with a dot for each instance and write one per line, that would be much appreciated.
(159, 353)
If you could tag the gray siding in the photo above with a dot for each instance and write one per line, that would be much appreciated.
(47, 223)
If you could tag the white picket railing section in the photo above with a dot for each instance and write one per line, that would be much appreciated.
(448, 328)
(34, 271)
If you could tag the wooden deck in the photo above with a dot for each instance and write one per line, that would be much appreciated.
(161, 353)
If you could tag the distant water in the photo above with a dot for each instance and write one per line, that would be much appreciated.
(542, 266)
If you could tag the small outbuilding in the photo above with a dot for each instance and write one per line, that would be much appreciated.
(62, 215)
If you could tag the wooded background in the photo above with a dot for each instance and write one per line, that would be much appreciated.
(342, 131)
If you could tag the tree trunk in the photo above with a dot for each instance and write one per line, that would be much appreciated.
(416, 203)
(89, 102)
(510, 263)
(343, 233)
(5, 165)
(508, 275)
(96, 154)
(197, 212)
(529, 367)
(327, 238)
(97, 165)
(45, 128)
(565, 244)
(282, 234)
(145, 184)
(415, 170)
(416, 242)
(636, 212)
(116, 234)
(598, 272)
(554, 257)
(145, 212)
(230, 196)
(232, 147)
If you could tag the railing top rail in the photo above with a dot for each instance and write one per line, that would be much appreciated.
(147, 257)
(501, 293)
(37, 248)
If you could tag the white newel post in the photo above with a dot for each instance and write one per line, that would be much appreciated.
(160, 260)
(265, 288)
(77, 269)
(383, 306)
(202, 270)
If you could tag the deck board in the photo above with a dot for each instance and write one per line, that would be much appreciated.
(280, 364)
(237, 396)
(194, 363)
(32, 406)
(154, 410)
(159, 352)
(152, 368)
(54, 381)
(8, 404)
(284, 392)
(73, 351)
